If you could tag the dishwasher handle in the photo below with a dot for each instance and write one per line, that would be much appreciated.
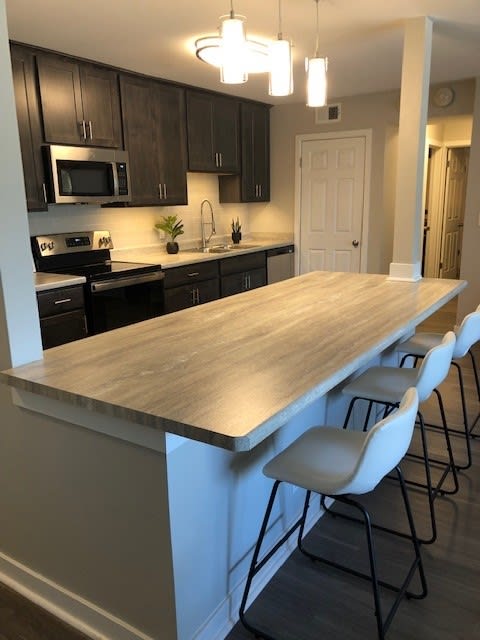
(278, 251)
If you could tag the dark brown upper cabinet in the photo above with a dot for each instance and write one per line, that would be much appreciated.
(155, 137)
(29, 126)
(253, 183)
(79, 101)
(213, 133)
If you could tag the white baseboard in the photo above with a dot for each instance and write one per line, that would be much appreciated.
(94, 622)
(222, 621)
(98, 624)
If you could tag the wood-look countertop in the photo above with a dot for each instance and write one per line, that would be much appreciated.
(231, 372)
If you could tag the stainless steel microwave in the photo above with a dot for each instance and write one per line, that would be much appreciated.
(86, 175)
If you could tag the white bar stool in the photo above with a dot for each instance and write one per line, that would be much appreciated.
(386, 385)
(467, 335)
(338, 463)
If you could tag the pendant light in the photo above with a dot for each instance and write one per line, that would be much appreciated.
(281, 72)
(316, 69)
(233, 49)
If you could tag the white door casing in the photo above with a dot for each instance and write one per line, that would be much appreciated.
(454, 209)
(332, 180)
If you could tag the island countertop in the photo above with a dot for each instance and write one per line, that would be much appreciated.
(231, 372)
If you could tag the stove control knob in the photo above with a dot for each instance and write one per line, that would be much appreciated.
(43, 246)
(51, 245)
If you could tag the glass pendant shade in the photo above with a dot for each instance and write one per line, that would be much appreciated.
(281, 76)
(316, 81)
(233, 51)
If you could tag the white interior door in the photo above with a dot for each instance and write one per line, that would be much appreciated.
(331, 204)
(454, 209)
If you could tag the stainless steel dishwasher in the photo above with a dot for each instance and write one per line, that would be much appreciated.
(280, 264)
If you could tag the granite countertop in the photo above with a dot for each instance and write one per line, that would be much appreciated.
(157, 254)
(47, 281)
(232, 372)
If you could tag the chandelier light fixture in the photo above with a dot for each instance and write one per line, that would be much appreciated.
(281, 72)
(316, 69)
(235, 55)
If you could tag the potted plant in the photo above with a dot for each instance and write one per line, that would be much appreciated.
(173, 228)
(236, 231)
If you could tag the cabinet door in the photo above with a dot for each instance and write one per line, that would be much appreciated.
(101, 106)
(212, 131)
(208, 290)
(201, 153)
(141, 145)
(256, 278)
(232, 284)
(256, 151)
(190, 295)
(253, 185)
(28, 116)
(171, 141)
(226, 134)
(61, 100)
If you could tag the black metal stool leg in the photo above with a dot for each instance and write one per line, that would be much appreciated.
(451, 463)
(466, 431)
(477, 383)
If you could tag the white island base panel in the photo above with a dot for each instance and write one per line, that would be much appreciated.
(145, 528)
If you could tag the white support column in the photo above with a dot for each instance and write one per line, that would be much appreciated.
(408, 229)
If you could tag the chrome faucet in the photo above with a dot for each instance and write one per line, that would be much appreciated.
(203, 224)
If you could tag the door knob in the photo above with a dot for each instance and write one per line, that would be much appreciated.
(355, 243)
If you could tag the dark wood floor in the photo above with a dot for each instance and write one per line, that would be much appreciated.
(308, 602)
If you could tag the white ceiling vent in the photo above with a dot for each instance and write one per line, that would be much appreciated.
(328, 113)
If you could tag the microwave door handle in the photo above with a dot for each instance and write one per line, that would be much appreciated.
(106, 285)
(116, 187)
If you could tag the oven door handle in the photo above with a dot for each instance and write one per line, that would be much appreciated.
(105, 285)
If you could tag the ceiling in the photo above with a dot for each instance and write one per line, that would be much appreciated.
(363, 40)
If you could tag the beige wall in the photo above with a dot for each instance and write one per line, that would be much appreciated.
(378, 112)
(471, 237)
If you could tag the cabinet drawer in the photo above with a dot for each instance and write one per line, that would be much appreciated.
(190, 273)
(60, 300)
(246, 262)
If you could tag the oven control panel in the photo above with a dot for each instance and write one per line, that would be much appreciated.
(61, 243)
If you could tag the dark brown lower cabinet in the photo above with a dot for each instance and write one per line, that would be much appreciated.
(189, 295)
(241, 273)
(238, 282)
(191, 285)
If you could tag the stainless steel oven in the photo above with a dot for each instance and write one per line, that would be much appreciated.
(116, 293)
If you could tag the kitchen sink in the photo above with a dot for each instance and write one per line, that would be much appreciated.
(222, 248)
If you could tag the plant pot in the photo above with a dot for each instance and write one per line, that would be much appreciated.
(172, 247)
(236, 237)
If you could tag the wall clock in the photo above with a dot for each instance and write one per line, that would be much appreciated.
(443, 97)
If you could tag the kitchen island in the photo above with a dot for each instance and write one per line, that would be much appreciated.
(247, 374)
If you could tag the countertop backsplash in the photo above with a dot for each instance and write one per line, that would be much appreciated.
(134, 227)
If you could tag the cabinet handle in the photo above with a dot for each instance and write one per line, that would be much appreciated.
(160, 192)
(194, 273)
(216, 160)
(221, 159)
(193, 296)
(259, 190)
(44, 189)
(165, 190)
(256, 191)
(198, 296)
(63, 301)
(84, 130)
(90, 128)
